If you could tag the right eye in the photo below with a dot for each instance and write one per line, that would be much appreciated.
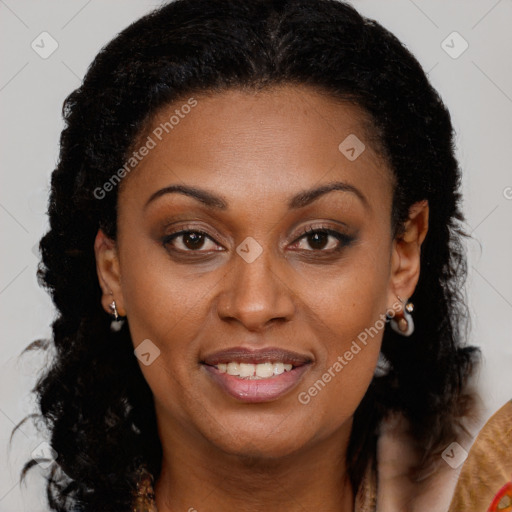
(190, 241)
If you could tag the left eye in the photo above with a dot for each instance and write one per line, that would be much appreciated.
(325, 240)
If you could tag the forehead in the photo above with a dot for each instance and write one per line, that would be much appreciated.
(273, 141)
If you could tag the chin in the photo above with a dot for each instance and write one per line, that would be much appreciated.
(260, 450)
(261, 439)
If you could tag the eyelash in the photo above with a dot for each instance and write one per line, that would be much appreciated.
(343, 239)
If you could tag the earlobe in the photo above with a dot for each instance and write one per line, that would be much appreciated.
(108, 271)
(405, 263)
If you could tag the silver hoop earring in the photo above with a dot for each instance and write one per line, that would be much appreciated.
(114, 309)
(117, 322)
(404, 325)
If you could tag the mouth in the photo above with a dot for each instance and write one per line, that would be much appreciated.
(256, 376)
(254, 371)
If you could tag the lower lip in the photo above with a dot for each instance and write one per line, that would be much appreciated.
(257, 390)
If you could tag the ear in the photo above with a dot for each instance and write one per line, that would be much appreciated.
(405, 258)
(109, 275)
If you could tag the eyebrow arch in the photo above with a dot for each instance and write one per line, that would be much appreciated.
(308, 196)
(300, 200)
(207, 198)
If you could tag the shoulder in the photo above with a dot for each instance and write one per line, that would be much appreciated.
(403, 482)
(488, 467)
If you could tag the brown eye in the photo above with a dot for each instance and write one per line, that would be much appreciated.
(190, 241)
(193, 240)
(323, 240)
(318, 240)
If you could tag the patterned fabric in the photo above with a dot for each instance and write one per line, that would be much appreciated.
(485, 480)
(366, 497)
(502, 502)
(144, 498)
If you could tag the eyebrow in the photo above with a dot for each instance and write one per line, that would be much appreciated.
(300, 200)
(308, 196)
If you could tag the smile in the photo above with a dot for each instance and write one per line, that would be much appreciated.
(252, 376)
(254, 371)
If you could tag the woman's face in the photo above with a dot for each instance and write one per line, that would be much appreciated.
(287, 261)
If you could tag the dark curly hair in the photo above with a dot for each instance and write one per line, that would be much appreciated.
(93, 399)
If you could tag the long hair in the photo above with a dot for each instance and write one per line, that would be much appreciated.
(93, 398)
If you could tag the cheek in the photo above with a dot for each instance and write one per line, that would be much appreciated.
(346, 360)
(352, 296)
(161, 301)
(335, 390)
(349, 309)
(169, 309)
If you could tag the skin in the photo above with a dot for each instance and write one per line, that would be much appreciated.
(256, 151)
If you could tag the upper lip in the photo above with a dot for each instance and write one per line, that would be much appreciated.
(256, 356)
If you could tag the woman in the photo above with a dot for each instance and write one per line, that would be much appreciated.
(254, 249)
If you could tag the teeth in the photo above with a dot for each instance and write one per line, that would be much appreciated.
(278, 368)
(233, 369)
(254, 371)
(264, 370)
(246, 370)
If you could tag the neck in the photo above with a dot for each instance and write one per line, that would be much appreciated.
(198, 478)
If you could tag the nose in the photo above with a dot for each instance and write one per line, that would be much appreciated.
(254, 295)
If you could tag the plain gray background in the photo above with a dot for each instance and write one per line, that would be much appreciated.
(476, 86)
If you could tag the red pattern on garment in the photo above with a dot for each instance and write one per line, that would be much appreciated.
(502, 502)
